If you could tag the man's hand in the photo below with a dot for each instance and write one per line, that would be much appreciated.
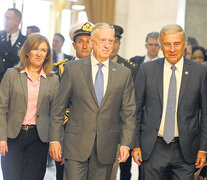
(201, 159)
(3, 148)
(137, 155)
(55, 151)
(124, 154)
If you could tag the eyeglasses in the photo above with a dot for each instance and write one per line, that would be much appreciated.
(155, 45)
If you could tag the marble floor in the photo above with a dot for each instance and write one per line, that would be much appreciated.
(50, 173)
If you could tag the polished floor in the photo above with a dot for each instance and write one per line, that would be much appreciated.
(50, 173)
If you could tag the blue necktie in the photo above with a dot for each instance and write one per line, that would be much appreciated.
(169, 128)
(99, 84)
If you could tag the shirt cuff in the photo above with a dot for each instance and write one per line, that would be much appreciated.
(203, 151)
(126, 147)
(53, 142)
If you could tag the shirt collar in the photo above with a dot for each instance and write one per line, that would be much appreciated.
(179, 64)
(148, 59)
(94, 61)
(16, 34)
(42, 73)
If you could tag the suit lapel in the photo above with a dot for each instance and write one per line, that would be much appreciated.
(184, 79)
(43, 87)
(160, 78)
(87, 71)
(111, 79)
(23, 79)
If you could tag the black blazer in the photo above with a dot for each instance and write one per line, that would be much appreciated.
(192, 101)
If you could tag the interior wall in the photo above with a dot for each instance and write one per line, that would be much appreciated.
(138, 18)
(195, 20)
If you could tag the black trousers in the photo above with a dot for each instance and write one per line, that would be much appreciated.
(59, 170)
(125, 168)
(26, 158)
(167, 162)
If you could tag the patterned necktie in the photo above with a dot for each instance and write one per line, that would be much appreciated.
(99, 84)
(169, 128)
(9, 40)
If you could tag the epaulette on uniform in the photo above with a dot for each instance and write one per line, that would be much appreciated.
(133, 65)
(60, 65)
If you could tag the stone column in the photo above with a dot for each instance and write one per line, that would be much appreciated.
(196, 20)
(138, 18)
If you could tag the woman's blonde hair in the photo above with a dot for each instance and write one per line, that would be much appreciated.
(33, 41)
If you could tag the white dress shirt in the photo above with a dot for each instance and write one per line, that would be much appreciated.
(14, 37)
(166, 81)
(146, 58)
(60, 56)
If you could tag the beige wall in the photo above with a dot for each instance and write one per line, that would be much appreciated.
(138, 18)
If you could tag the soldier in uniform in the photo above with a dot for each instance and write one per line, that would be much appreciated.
(11, 40)
(118, 59)
(80, 34)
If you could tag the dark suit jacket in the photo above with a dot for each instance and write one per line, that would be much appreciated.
(9, 55)
(13, 103)
(192, 99)
(111, 124)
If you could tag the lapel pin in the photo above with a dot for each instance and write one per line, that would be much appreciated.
(113, 69)
(186, 72)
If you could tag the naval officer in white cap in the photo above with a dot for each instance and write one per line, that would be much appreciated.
(80, 34)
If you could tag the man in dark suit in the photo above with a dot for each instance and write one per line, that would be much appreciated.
(102, 112)
(171, 96)
(11, 40)
(57, 44)
(152, 46)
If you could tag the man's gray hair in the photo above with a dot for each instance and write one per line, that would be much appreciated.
(100, 26)
(171, 29)
(152, 35)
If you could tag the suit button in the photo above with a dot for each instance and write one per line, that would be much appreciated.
(3, 60)
(37, 115)
(6, 53)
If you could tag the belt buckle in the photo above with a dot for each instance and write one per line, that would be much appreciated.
(25, 127)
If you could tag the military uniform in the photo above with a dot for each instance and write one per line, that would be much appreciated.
(129, 64)
(9, 55)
